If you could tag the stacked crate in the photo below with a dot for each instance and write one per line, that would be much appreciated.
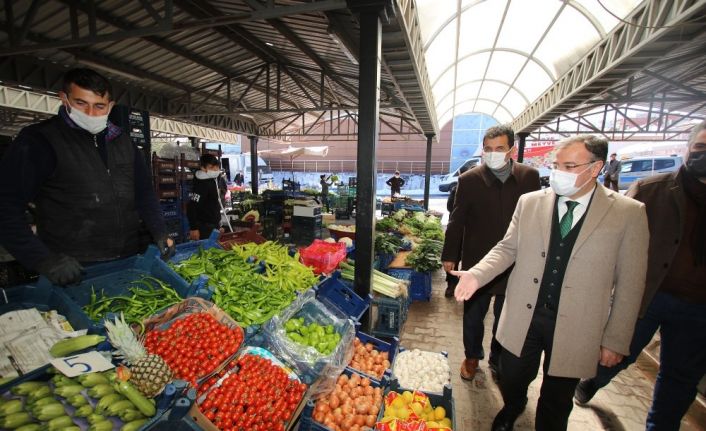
(187, 168)
(165, 174)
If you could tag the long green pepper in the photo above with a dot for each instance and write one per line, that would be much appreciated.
(145, 297)
(249, 296)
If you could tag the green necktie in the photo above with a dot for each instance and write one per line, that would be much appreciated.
(568, 219)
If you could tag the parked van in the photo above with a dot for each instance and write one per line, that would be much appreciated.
(451, 179)
(637, 168)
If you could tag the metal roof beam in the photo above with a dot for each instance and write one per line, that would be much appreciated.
(165, 25)
(652, 22)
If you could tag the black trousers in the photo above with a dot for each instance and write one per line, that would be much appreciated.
(474, 311)
(516, 374)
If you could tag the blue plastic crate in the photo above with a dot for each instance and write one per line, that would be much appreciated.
(384, 260)
(170, 210)
(307, 422)
(341, 299)
(419, 282)
(381, 346)
(164, 401)
(188, 249)
(444, 400)
(43, 297)
(391, 316)
(420, 286)
(114, 278)
(395, 379)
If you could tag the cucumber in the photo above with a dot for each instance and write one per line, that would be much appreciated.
(59, 423)
(133, 425)
(10, 407)
(26, 388)
(104, 425)
(106, 401)
(116, 408)
(101, 390)
(71, 345)
(15, 420)
(48, 411)
(83, 411)
(93, 379)
(68, 391)
(95, 417)
(130, 415)
(140, 401)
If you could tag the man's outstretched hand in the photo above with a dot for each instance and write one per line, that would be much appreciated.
(467, 285)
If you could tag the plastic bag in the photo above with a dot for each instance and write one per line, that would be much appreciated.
(315, 369)
(323, 256)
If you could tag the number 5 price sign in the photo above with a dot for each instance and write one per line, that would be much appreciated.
(84, 363)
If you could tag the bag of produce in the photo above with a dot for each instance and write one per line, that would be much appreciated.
(323, 256)
(313, 340)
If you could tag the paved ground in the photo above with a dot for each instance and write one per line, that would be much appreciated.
(620, 406)
(436, 326)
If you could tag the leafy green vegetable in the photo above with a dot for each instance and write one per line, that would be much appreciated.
(387, 243)
(426, 256)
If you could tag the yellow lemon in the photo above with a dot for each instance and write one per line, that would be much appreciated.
(439, 413)
(408, 397)
(432, 424)
(403, 413)
(417, 409)
(446, 423)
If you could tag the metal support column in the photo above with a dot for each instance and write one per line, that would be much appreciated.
(253, 164)
(368, 135)
(427, 171)
(521, 147)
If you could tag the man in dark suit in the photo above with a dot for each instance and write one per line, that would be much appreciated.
(484, 202)
(452, 280)
(675, 291)
(611, 173)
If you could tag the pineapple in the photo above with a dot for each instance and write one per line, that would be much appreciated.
(148, 373)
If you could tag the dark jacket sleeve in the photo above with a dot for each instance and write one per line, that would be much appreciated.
(389, 182)
(146, 199)
(457, 220)
(450, 201)
(26, 166)
(401, 181)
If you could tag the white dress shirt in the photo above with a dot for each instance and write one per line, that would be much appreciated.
(579, 210)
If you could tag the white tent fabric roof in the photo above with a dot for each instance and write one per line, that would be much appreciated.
(497, 56)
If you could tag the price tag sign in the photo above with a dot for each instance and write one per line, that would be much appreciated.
(84, 363)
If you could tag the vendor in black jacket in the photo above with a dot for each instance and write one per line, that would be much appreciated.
(89, 183)
(396, 182)
(206, 199)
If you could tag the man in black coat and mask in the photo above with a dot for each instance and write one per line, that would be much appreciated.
(89, 183)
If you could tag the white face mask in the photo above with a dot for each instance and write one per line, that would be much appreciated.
(91, 124)
(494, 160)
(564, 183)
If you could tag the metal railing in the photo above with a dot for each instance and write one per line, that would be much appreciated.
(389, 166)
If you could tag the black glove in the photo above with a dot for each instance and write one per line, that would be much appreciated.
(61, 269)
(165, 250)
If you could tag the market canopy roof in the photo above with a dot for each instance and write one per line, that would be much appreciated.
(497, 56)
(293, 152)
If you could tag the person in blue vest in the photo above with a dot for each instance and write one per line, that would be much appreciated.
(88, 182)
